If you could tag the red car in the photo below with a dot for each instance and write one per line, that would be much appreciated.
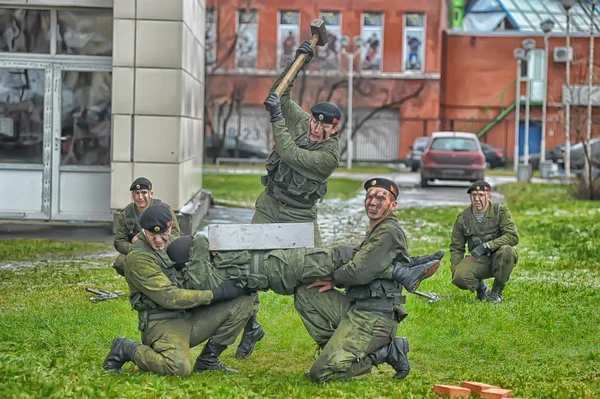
(452, 156)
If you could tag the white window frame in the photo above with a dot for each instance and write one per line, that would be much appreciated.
(237, 30)
(407, 29)
(279, 25)
(381, 40)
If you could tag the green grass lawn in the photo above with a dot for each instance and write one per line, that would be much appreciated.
(32, 249)
(542, 342)
(243, 190)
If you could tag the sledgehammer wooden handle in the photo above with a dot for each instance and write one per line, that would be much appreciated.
(293, 71)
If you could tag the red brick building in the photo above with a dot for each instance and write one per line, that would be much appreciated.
(249, 43)
(412, 76)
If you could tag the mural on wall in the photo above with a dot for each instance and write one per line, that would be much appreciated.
(328, 56)
(372, 34)
(210, 44)
(414, 42)
(289, 34)
(247, 39)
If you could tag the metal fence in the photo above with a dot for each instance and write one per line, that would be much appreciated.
(385, 138)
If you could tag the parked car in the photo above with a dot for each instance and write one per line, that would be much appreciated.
(452, 156)
(235, 148)
(494, 157)
(413, 159)
(557, 155)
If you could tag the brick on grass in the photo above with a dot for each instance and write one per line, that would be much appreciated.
(477, 387)
(451, 391)
(495, 393)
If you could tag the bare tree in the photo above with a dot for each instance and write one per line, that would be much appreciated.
(586, 187)
(220, 106)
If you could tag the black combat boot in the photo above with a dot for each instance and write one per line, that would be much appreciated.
(411, 277)
(253, 332)
(437, 255)
(209, 359)
(394, 354)
(483, 291)
(496, 294)
(121, 351)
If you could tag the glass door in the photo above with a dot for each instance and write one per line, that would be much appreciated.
(25, 139)
(82, 142)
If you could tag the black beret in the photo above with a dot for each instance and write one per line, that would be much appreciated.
(179, 250)
(479, 185)
(156, 219)
(387, 184)
(326, 112)
(141, 183)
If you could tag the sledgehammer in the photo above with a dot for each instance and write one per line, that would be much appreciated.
(319, 38)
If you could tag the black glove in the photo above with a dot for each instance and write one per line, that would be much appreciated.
(479, 251)
(306, 49)
(227, 290)
(273, 105)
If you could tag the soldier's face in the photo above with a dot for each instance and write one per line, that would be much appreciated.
(480, 200)
(158, 241)
(379, 203)
(319, 132)
(142, 198)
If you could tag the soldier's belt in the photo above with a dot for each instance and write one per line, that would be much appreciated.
(178, 314)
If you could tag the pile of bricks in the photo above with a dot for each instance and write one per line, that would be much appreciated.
(466, 388)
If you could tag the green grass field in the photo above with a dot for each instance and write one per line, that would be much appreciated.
(542, 342)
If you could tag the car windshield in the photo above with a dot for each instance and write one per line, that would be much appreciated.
(453, 144)
(420, 144)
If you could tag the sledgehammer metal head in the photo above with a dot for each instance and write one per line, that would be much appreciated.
(317, 27)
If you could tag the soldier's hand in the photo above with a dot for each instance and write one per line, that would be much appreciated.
(479, 251)
(227, 290)
(134, 239)
(325, 285)
(273, 105)
(305, 48)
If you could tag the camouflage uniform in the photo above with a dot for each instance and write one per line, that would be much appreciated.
(172, 319)
(129, 226)
(297, 169)
(279, 270)
(350, 327)
(499, 231)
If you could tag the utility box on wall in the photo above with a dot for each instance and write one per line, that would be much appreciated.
(579, 94)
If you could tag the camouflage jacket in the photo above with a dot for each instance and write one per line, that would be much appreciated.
(374, 258)
(497, 228)
(147, 273)
(128, 226)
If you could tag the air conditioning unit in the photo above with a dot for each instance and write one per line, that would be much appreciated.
(562, 54)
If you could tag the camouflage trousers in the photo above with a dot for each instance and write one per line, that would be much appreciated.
(271, 210)
(166, 343)
(347, 336)
(279, 270)
(469, 272)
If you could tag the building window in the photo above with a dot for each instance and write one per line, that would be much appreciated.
(372, 34)
(24, 31)
(289, 33)
(210, 44)
(328, 56)
(246, 53)
(414, 42)
(85, 32)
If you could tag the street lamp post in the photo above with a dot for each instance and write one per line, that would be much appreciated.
(350, 55)
(587, 170)
(528, 45)
(546, 26)
(519, 54)
(567, 4)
